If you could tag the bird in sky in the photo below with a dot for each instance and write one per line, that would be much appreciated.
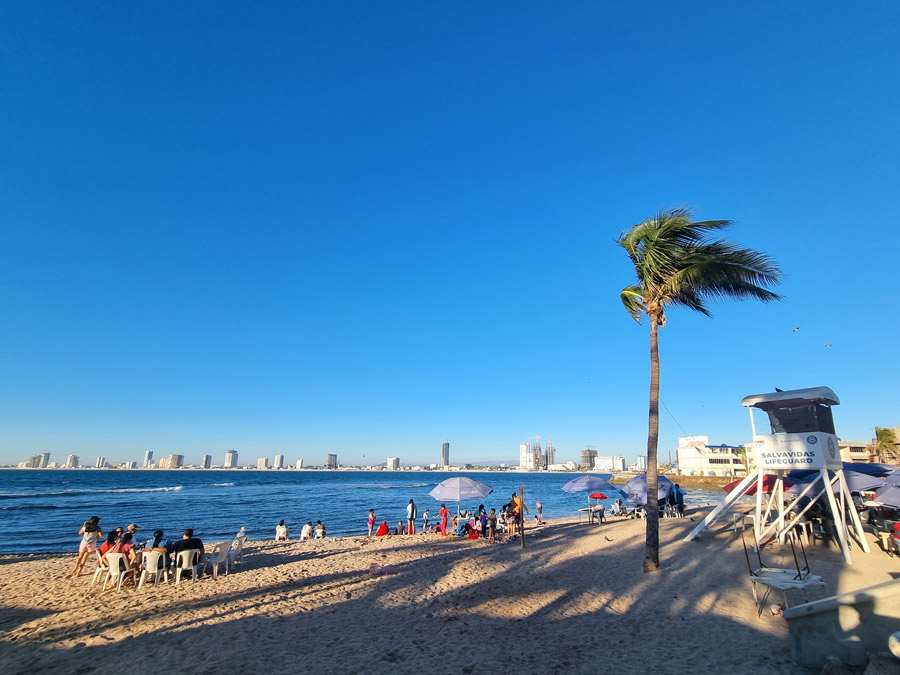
(796, 329)
(828, 345)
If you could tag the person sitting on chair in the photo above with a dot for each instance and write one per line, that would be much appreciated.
(188, 542)
(306, 532)
(319, 530)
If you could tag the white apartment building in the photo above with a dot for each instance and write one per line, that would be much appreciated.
(609, 463)
(262, 463)
(231, 459)
(696, 457)
(299, 464)
(205, 461)
(279, 461)
(393, 463)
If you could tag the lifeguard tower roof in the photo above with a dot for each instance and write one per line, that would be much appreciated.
(780, 399)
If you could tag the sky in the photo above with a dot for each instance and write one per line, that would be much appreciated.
(367, 229)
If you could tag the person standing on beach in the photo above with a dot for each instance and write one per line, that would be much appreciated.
(482, 517)
(519, 516)
(492, 526)
(371, 520)
(679, 500)
(444, 514)
(90, 533)
(411, 517)
(425, 517)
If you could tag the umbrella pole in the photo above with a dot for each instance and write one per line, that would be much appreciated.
(522, 512)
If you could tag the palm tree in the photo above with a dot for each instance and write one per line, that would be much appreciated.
(885, 444)
(676, 263)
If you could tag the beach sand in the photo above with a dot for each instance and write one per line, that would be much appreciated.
(573, 600)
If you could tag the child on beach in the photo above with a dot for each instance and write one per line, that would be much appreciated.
(91, 533)
(492, 526)
(425, 517)
(372, 520)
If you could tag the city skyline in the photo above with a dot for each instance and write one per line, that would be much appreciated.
(370, 243)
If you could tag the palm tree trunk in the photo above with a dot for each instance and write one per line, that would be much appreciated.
(651, 559)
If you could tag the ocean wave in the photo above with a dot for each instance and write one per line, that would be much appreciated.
(76, 493)
(221, 484)
(404, 487)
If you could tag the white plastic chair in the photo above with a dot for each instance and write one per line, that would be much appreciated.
(188, 558)
(101, 568)
(235, 553)
(215, 556)
(152, 566)
(116, 561)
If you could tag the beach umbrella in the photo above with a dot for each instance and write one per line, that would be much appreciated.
(597, 495)
(889, 493)
(588, 484)
(856, 482)
(635, 490)
(873, 469)
(768, 484)
(459, 489)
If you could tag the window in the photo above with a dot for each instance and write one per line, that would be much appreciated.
(801, 419)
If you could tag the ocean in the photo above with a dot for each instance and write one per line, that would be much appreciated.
(42, 510)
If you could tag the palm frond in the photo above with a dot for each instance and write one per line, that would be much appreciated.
(633, 302)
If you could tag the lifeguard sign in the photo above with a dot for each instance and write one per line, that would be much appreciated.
(802, 430)
(801, 437)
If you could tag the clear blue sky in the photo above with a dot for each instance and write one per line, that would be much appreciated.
(366, 228)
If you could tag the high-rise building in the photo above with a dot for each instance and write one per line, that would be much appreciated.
(279, 461)
(100, 463)
(445, 453)
(71, 461)
(176, 461)
(148, 459)
(206, 461)
(130, 465)
(262, 463)
(331, 461)
(231, 459)
(34, 462)
(393, 463)
(299, 464)
(550, 456)
(524, 456)
(642, 462)
(587, 459)
(45, 460)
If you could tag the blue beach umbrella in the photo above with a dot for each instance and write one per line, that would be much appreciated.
(889, 493)
(856, 482)
(589, 484)
(636, 489)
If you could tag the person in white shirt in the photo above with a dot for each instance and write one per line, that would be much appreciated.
(411, 517)
(306, 532)
(281, 531)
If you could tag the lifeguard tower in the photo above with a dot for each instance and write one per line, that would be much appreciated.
(802, 437)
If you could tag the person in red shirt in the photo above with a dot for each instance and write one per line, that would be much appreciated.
(382, 529)
(444, 514)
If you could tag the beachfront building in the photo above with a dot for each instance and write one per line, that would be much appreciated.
(279, 461)
(393, 463)
(550, 455)
(45, 460)
(34, 462)
(299, 464)
(100, 463)
(855, 451)
(641, 463)
(696, 457)
(262, 463)
(71, 461)
(176, 461)
(148, 459)
(231, 459)
(331, 461)
(206, 461)
(609, 463)
(445, 453)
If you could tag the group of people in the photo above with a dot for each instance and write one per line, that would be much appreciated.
(122, 541)
(282, 533)
(472, 524)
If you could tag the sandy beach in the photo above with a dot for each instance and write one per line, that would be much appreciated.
(573, 600)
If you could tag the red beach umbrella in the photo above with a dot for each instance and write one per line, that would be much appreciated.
(597, 495)
(768, 484)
